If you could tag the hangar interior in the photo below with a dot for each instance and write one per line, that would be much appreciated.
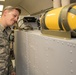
(38, 51)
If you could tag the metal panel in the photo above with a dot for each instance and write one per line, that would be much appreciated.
(38, 54)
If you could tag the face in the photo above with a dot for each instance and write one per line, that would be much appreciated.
(11, 17)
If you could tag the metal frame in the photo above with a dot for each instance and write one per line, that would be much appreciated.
(62, 34)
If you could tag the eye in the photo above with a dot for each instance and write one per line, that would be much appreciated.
(14, 15)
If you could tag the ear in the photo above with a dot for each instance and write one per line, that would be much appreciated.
(5, 12)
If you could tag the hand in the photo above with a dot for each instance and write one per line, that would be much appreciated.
(13, 73)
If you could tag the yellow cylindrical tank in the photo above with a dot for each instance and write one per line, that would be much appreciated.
(51, 18)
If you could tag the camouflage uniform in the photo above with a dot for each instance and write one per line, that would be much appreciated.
(5, 60)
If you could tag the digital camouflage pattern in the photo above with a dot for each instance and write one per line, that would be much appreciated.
(5, 60)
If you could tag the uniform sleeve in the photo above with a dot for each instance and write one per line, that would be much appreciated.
(3, 56)
(5, 60)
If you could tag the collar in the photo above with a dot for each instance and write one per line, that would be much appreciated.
(2, 28)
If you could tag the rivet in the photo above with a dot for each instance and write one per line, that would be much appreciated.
(71, 61)
(71, 51)
(46, 66)
(71, 71)
(68, 44)
(74, 46)
(62, 43)
(47, 72)
(46, 60)
(47, 55)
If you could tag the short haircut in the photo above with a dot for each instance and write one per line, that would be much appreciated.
(11, 8)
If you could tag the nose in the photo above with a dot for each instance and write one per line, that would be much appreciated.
(16, 18)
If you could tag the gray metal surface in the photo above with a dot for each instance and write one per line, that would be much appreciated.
(38, 54)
